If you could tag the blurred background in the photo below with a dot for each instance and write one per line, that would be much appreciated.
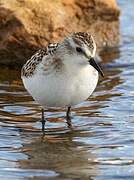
(100, 146)
(27, 25)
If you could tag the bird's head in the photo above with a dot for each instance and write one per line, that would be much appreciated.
(79, 49)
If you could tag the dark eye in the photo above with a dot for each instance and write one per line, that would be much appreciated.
(78, 49)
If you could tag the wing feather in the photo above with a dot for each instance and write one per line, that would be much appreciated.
(30, 66)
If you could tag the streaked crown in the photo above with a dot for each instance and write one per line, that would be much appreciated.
(82, 38)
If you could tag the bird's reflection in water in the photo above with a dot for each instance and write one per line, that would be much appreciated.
(62, 154)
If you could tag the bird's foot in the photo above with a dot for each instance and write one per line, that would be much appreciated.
(68, 117)
(43, 121)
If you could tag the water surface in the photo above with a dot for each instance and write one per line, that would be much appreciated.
(101, 144)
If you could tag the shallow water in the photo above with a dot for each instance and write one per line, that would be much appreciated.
(101, 144)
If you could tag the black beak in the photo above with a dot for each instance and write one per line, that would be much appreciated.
(96, 66)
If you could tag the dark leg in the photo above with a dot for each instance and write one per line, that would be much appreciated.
(68, 116)
(43, 121)
(68, 113)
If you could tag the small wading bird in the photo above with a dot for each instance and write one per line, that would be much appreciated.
(62, 74)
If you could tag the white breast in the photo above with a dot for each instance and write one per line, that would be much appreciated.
(69, 87)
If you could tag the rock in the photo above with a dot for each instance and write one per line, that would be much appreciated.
(27, 25)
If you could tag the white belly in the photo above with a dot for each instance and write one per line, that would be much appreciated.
(62, 90)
